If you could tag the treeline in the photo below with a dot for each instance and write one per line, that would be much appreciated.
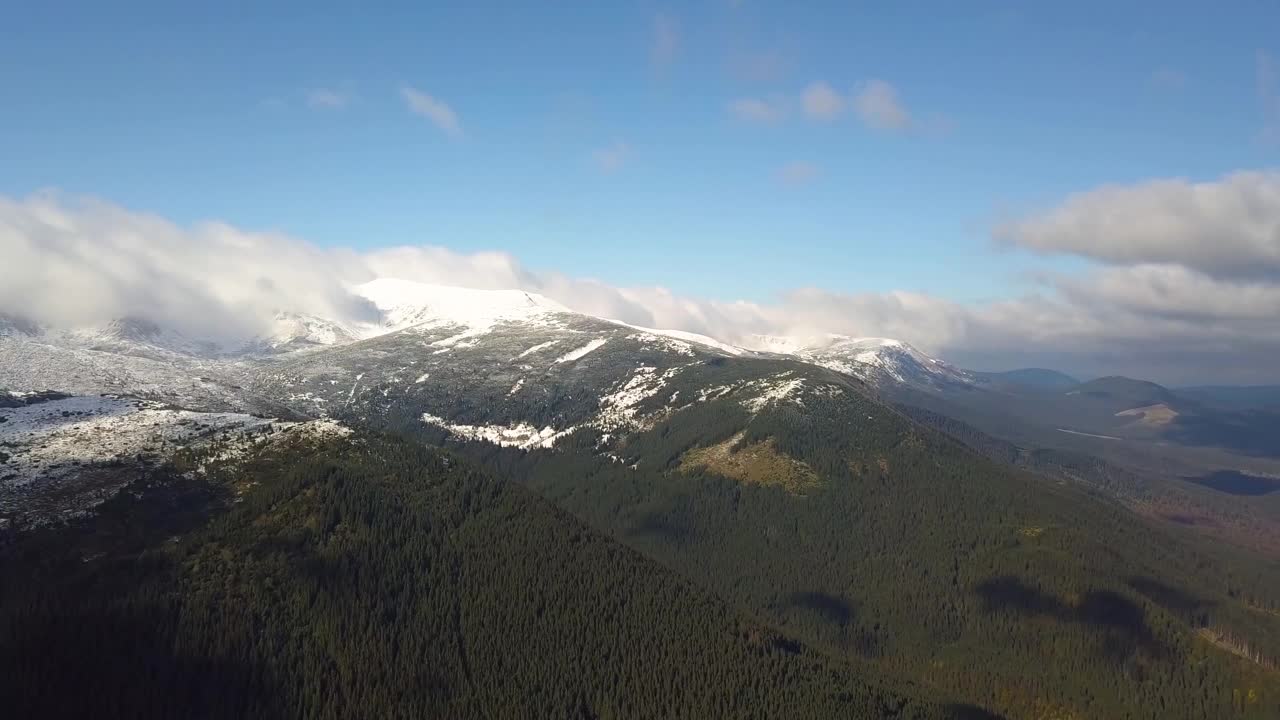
(381, 579)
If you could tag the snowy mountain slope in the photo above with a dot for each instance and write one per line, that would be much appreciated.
(404, 303)
(517, 372)
(143, 359)
(137, 337)
(508, 368)
(514, 343)
(131, 336)
(681, 337)
(292, 332)
(880, 361)
(192, 383)
(62, 457)
(13, 326)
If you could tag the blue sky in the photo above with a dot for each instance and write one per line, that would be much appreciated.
(598, 139)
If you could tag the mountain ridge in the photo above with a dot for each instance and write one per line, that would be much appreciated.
(402, 304)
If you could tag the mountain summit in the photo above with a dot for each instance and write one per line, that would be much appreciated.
(873, 359)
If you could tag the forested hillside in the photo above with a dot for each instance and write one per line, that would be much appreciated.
(883, 541)
(380, 579)
(812, 544)
(1249, 522)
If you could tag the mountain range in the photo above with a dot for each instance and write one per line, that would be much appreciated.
(400, 304)
(37, 357)
(930, 529)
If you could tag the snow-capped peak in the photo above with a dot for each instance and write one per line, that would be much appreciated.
(780, 344)
(404, 303)
(794, 344)
(874, 359)
(17, 326)
(135, 336)
(683, 336)
(293, 331)
(466, 314)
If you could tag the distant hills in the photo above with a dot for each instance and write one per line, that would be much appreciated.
(1037, 378)
(1257, 397)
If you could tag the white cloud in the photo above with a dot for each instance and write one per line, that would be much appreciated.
(612, 158)
(69, 261)
(437, 111)
(877, 104)
(1227, 227)
(73, 262)
(797, 173)
(666, 40)
(1173, 292)
(327, 99)
(879, 107)
(821, 102)
(765, 112)
(85, 262)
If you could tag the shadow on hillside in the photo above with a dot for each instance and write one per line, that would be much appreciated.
(90, 627)
(970, 712)
(1234, 482)
(836, 620)
(122, 663)
(1252, 433)
(1120, 621)
(1170, 598)
(157, 506)
(831, 608)
(655, 525)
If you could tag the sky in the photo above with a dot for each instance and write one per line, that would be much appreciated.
(1087, 185)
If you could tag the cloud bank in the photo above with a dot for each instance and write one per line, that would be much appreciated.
(1226, 228)
(1182, 284)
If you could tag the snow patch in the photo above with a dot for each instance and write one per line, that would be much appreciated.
(521, 435)
(679, 347)
(536, 348)
(773, 390)
(581, 352)
(620, 409)
(686, 337)
(715, 392)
